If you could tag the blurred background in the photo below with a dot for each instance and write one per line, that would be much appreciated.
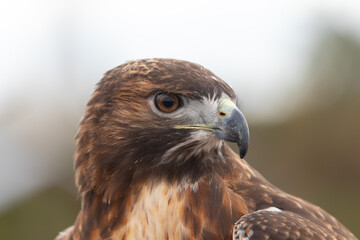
(295, 66)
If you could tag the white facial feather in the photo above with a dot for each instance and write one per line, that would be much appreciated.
(199, 141)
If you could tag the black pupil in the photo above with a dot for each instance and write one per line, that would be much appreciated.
(168, 102)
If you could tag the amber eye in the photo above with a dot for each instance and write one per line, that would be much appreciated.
(167, 102)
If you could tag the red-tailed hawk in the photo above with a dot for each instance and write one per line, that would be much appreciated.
(151, 162)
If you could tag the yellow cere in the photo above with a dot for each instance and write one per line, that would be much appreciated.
(225, 107)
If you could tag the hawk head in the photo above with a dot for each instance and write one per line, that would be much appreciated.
(156, 117)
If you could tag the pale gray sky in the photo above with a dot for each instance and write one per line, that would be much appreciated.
(258, 47)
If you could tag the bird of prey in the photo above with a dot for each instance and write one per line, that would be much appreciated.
(151, 162)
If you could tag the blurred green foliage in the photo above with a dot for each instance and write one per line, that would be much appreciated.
(41, 216)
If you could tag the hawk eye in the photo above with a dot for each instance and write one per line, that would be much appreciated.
(167, 102)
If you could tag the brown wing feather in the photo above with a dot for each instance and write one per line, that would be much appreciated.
(279, 225)
(298, 216)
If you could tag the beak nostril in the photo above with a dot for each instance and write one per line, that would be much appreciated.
(222, 114)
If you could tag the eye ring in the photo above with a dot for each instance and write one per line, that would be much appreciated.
(167, 102)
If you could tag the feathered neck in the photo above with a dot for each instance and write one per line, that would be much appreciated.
(195, 195)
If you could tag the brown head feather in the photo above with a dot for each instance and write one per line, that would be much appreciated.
(120, 135)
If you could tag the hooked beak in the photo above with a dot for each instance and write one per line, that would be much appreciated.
(231, 126)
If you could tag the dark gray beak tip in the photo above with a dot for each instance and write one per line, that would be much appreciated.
(243, 148)
(243, 144)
